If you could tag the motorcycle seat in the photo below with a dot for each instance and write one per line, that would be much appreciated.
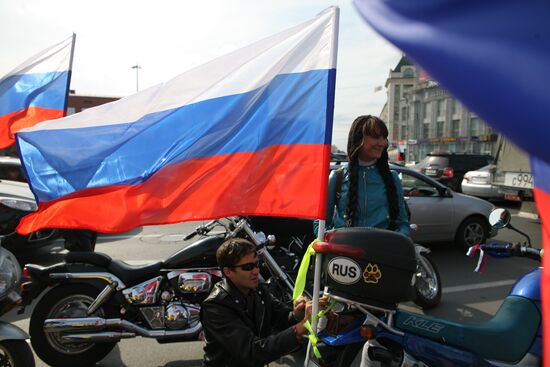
(514, 326)
(133, 274)
(94, 258)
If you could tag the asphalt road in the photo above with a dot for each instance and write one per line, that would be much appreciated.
(467, 296)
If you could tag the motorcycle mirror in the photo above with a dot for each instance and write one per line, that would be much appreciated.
(499, 218)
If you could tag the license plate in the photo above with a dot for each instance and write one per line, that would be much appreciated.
(479, 180)
(431, 172)
(518, 179)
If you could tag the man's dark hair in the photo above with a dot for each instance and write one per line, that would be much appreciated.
(233, 250)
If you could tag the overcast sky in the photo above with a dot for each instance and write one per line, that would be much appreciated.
(168, 37)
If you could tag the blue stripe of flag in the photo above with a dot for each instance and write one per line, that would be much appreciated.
(46, 90)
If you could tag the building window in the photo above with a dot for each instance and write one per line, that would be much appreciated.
(440, 125)
(404, 113)
(441, 108)
(71, 111)
(427, 110)
(408, 73)
(455, 107)
(474, 126)
(397, 95)
(403, 132)
(425, 131)
(396, 100)
(455, 128)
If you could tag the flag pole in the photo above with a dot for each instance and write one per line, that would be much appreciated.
(70, 71)
(321, 228)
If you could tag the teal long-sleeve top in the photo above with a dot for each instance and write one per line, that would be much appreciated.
(372, 202)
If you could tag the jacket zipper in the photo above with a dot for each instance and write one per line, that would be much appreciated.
(365, 183)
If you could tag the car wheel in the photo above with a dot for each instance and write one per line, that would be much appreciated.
(472, 231)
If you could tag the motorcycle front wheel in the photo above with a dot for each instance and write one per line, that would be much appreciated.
(67, 301)
(16, 353)
(428, 282)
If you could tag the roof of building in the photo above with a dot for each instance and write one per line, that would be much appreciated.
(404, 61)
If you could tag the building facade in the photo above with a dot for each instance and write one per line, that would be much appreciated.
(422, 117)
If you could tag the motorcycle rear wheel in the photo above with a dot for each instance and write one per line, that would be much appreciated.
(428, 284)
(67, 301)
(16, 353)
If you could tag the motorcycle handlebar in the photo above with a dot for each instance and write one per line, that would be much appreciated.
(202, 230)
(512, 249)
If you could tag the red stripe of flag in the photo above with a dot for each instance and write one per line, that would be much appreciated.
(15, 121)
(208, 187)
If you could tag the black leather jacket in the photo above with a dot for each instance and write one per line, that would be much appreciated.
(236, 339)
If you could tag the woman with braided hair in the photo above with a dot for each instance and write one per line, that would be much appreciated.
(369, 194)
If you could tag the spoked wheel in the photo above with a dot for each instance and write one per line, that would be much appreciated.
(16, 353)
(66, 301)
(428, 282)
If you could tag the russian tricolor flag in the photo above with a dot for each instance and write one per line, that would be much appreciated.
(248, 133)
(35, 91)
(495, 57)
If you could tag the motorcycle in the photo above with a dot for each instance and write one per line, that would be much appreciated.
(14, 349)
(380, 334)
(94, 301)
(294, 234)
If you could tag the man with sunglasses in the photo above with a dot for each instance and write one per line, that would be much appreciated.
(243, 324)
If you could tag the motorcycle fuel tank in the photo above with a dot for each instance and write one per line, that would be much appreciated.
(199, 254)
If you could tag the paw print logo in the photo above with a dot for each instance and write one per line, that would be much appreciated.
(372, 274)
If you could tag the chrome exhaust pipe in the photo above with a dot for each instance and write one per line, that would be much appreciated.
(97, 337)
(96, 324)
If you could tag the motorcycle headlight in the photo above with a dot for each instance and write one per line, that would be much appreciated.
(10, 272)
(26, 206)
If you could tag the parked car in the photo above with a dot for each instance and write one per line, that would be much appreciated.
(480, 183)
(441, 214)
(11, 169)
(450, 168)
(16, 201)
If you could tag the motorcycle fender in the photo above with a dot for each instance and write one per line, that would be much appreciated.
(11, 332)
(421, 249)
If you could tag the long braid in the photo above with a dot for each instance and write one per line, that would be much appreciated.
(355, 140)
(391, 191)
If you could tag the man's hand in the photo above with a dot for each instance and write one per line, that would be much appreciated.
(299, 307)
(307, 309)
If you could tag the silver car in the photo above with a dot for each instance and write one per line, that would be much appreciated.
(479, 183)
(441, 214)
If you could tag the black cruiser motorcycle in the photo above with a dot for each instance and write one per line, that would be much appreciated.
(94, 301)
(14, 349)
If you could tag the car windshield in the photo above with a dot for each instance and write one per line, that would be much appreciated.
(436, 161)
(486, 168)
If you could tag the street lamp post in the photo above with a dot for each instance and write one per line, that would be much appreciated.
(137, 67)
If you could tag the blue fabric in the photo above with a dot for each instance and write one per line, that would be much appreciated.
(372, 200)
(46, 90)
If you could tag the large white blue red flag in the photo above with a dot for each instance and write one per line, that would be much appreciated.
(36, 90)
(247, 133)
(493, 56)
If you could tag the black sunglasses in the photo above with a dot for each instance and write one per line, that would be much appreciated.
(248, 266)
